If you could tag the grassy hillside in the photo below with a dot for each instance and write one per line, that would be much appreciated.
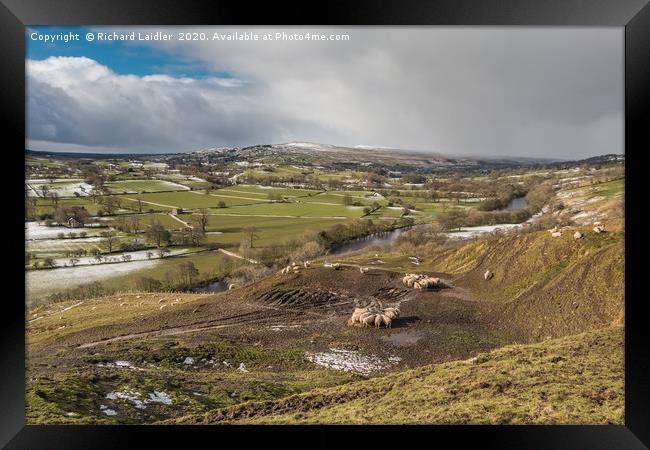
(576, 379)
(545, 286)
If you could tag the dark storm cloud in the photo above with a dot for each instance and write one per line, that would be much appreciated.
(550, 92)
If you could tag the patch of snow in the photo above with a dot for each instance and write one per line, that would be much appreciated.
(350, 361)
(283, 327)
(106, 410)
(159, 397)
(132, 396)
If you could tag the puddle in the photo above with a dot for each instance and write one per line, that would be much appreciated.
(404, 339)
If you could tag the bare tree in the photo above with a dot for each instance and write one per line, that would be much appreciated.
(251, 234)
(110, 239)
(202, 220)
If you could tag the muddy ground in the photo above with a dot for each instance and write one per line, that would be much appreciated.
(313, 306)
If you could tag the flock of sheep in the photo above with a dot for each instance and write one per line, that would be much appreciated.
(420, 281)
(294, 268)
(598, 228)
(373, 315)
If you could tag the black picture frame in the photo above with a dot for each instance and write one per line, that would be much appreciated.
(633, 15)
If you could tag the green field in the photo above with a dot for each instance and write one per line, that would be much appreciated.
(191, 200)
(270, 230)
(141, 186)
(293, 210)
(264, 191)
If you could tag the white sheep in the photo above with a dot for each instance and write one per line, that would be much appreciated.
(231, 287)
(363, 269)
(306, 264)
(556, 234)
(577, 235)
(487, 275)
(367, 319)
(382, 318)
(161, 308)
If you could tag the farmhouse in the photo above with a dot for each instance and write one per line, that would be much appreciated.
(72, 222)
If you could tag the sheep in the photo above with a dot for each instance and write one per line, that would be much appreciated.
(363, 269)
(293, 264)
(382, 318)
(577, 235)
(488, 275)
(336, 266)
(367, 319)
(598, 224)
(356, 316)
(161, 308)
(327, 264)
(392, 313)
(599, 228)
(556, 234)
(138, 296)
(123, 304)
(231, 287)
(306, 264)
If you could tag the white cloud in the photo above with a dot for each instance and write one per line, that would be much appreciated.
(553, 92)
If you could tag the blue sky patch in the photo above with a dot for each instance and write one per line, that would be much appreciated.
(122, 57)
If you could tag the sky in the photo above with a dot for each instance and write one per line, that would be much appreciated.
(467, 91)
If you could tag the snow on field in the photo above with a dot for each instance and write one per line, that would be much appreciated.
(42, 281)
(38, 230)
(62, 244)
(351, 361)
(139, 255)
(65, 189)
(470, 232)
(56, 180)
